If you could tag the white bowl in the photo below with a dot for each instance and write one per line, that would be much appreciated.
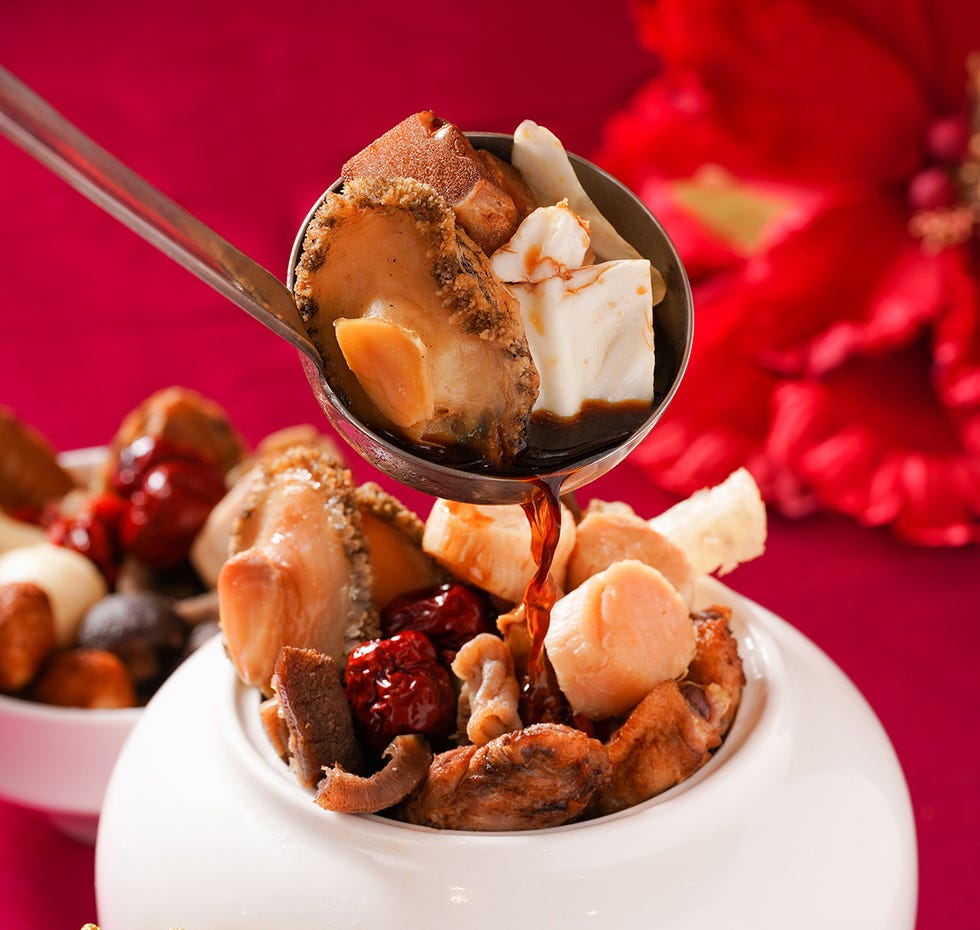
(802, 819)
(58, 759)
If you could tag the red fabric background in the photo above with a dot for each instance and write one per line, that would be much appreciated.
(244, 116)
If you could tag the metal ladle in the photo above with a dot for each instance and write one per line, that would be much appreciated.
(35, 126)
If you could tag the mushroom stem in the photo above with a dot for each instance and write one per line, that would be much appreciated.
(409, 759)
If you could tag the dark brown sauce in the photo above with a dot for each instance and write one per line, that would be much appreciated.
(541, 699)
(553, 443)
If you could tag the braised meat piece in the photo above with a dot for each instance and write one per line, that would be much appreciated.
(542, 776)
(181, 416)
(30, 475)
(89, 678)
(27, 633)
(716, 659)
(488, 196)
(274, 726)
(665, 740)
(408, 761)
(316, 713)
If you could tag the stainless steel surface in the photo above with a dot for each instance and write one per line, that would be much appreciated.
(673, 330)
(30, 122)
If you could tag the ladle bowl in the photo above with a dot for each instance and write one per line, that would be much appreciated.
(673, 322)
(31, 123)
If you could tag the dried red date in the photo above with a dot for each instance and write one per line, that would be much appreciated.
(396, 686)
(136, 460)
(449, 614)
(92, 530)
(170, 492)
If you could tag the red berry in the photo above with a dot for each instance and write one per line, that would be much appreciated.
(396, 686)
(141, 456)
(167, 509)
(93, 531)
(449, 614)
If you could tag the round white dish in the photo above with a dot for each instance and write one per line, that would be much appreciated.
(58, 759)
(802, 819)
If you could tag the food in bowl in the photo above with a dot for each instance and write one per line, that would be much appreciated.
(104, 584)
(414, 707)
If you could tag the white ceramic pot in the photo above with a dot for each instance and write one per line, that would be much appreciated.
(801, 819)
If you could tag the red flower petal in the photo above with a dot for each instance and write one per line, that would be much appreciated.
(719, 418)
(702, 252)
(956, 348)
(833, 356)
(934, 38)
(821, 97)
(669, 131)
(872, 442)
(851, 281)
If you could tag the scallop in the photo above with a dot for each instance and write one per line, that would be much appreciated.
(617, 635)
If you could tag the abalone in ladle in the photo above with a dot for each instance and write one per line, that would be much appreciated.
(32, 124)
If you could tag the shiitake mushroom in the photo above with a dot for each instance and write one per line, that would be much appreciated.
(143, 629)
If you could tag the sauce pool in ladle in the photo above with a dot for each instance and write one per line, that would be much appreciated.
(554, 444)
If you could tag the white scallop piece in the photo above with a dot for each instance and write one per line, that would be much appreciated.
(549, 242)
(719, 527)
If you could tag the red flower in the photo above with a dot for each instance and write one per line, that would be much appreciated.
(818, 166)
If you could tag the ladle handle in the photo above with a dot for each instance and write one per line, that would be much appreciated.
(30, 122)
